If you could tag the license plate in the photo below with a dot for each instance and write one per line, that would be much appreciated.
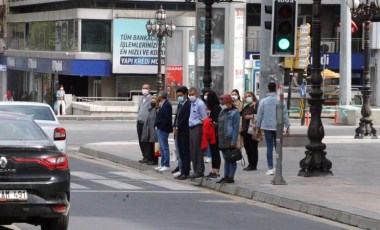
(13, 195)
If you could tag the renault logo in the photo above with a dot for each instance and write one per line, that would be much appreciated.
(3, 162)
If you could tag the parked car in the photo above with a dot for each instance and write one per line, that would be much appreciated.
(34, 175)
(44, 116)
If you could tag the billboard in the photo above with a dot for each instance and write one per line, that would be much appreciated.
(134, 51)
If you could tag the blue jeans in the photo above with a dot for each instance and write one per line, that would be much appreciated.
(270, 139)
(229, 166)
(208, 152)
(164, 147)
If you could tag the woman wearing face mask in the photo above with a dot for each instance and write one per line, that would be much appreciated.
(237, 100)
(235, 95)
(250, 145)
(148, 134)
(61, 100)
(228, 132)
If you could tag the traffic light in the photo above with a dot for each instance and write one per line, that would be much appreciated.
(284, 27)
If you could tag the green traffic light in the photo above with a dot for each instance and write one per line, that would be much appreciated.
(283, 43)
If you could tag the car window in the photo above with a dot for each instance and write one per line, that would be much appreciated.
(32, 111)
(20, 130)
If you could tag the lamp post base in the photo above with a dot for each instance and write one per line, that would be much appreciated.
(365, 130)
(315, 164)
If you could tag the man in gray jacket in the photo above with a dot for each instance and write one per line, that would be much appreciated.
(142, 115)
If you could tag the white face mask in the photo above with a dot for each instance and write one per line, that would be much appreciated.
(145, 91)
(61, 88)
(249, 100)
(205, 97)
(234, 97)
(192, 98)
(223, 107)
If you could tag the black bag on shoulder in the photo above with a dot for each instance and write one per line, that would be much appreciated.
(233, 154)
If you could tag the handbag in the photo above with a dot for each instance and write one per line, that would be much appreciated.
(252, 126)
(233, 154)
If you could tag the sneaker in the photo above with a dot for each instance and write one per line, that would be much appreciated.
(210, 175)
(157, 168)
(270, 172)
(176, 174)
(223, 180)
(207, 160)
(230, 181)
(181, 177)
(163, 169)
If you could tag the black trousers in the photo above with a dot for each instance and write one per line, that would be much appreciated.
(183, 142)
(144, 146)
(251, 150)
(215, 156)
(150, 149)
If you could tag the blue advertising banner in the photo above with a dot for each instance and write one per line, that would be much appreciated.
(133, 50)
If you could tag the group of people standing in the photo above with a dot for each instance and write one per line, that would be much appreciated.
(219, 123)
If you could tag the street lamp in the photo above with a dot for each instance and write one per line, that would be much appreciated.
(365, 10)
(160, 28)
(207, 80)
(315, 163)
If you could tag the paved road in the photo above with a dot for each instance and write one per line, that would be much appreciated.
(109, 196)
(106, 195)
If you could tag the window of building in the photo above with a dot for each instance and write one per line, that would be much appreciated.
(96, 35)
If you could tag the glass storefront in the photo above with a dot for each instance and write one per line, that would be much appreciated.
(45, 36)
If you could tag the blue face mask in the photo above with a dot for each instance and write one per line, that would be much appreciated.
(181, 99)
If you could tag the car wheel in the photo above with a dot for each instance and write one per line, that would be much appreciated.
(60, 223)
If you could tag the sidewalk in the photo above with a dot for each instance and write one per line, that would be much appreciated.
(351, 196)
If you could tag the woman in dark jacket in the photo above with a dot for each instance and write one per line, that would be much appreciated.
(213, 105)
(149, 132)
(247, 114)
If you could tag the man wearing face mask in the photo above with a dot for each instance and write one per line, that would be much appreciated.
(197, 114)
(164, 127)
(181, 131)
(142, 115)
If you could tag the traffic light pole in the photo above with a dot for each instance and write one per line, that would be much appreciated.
(315, 163)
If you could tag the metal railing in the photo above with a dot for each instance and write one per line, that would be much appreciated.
(128, 97)
(328, 45)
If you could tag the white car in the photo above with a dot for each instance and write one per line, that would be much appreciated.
(44, 116)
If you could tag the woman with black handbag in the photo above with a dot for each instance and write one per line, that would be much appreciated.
(228, 132)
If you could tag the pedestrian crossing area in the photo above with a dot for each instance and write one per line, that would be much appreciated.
(82, 181)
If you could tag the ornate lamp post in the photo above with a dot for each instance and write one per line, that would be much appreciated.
(160, 28)
(315, 163)
(365, 10)
(207, 80)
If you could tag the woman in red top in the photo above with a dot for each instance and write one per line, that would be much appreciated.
(213, 106)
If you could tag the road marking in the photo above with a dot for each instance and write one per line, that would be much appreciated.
(116, 184)
(153, 181)
(87, 176)
(77, 186)
(134, 191)
(171, 185)
(132, 175)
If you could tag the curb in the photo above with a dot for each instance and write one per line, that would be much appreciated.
(96, 118)
(319, 210)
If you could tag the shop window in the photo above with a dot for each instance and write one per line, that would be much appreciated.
(96, 35)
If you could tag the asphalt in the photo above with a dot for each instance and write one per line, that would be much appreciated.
(350, 196)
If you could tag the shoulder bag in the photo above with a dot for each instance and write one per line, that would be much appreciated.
(233, 154)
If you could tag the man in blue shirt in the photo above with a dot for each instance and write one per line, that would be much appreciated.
(197, 114)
